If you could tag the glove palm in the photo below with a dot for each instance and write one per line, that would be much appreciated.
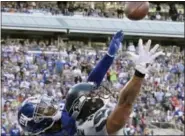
(145, 56)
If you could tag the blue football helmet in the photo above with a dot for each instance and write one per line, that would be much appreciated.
(38, 114)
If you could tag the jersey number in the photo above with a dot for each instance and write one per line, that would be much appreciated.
(100, 119)
(23, 120)
(80, 132)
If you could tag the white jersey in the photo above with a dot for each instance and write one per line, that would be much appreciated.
(95, 124)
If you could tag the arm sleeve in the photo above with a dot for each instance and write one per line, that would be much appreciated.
(98, 73)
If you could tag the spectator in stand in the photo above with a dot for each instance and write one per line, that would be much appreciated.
(120, 13)
(158, 16)
(15, 131)
(158, 8)
(173, 12)
(180, 16)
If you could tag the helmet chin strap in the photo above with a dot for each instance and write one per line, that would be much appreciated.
(57, 116)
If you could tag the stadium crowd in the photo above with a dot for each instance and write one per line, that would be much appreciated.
(27, 70)
(65, 9)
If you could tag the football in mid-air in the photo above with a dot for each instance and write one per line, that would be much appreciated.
(136, 10)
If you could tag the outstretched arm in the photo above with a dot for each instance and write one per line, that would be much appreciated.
(98, 73)
(121, 113)
(129, 93)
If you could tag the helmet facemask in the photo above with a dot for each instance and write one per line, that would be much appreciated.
(46, 108)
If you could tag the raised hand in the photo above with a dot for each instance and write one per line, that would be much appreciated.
(115, 43)
(145, 56)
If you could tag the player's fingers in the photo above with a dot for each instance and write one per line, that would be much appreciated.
(140, 45)
(157, 54)
(118, 34)
(147, 47)
(154, 49)
(120, 45)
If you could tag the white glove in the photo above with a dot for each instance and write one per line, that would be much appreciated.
(145, 56)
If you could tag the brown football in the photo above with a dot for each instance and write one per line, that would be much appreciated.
(136, 10)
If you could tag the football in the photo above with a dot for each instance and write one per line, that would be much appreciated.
(136, 10)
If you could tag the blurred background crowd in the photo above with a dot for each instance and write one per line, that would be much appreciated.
(30, 68)
(166, 11)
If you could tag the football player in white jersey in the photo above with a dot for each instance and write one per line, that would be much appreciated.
(92, 117)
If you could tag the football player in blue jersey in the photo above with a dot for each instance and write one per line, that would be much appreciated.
(42, 115)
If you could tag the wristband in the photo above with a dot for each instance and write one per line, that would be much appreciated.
(139, 74)
(110, 55)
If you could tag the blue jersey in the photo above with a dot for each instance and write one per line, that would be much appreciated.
(15, 132)
(59, 66)
(50, 64)
(68, 124)
(3, 131)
